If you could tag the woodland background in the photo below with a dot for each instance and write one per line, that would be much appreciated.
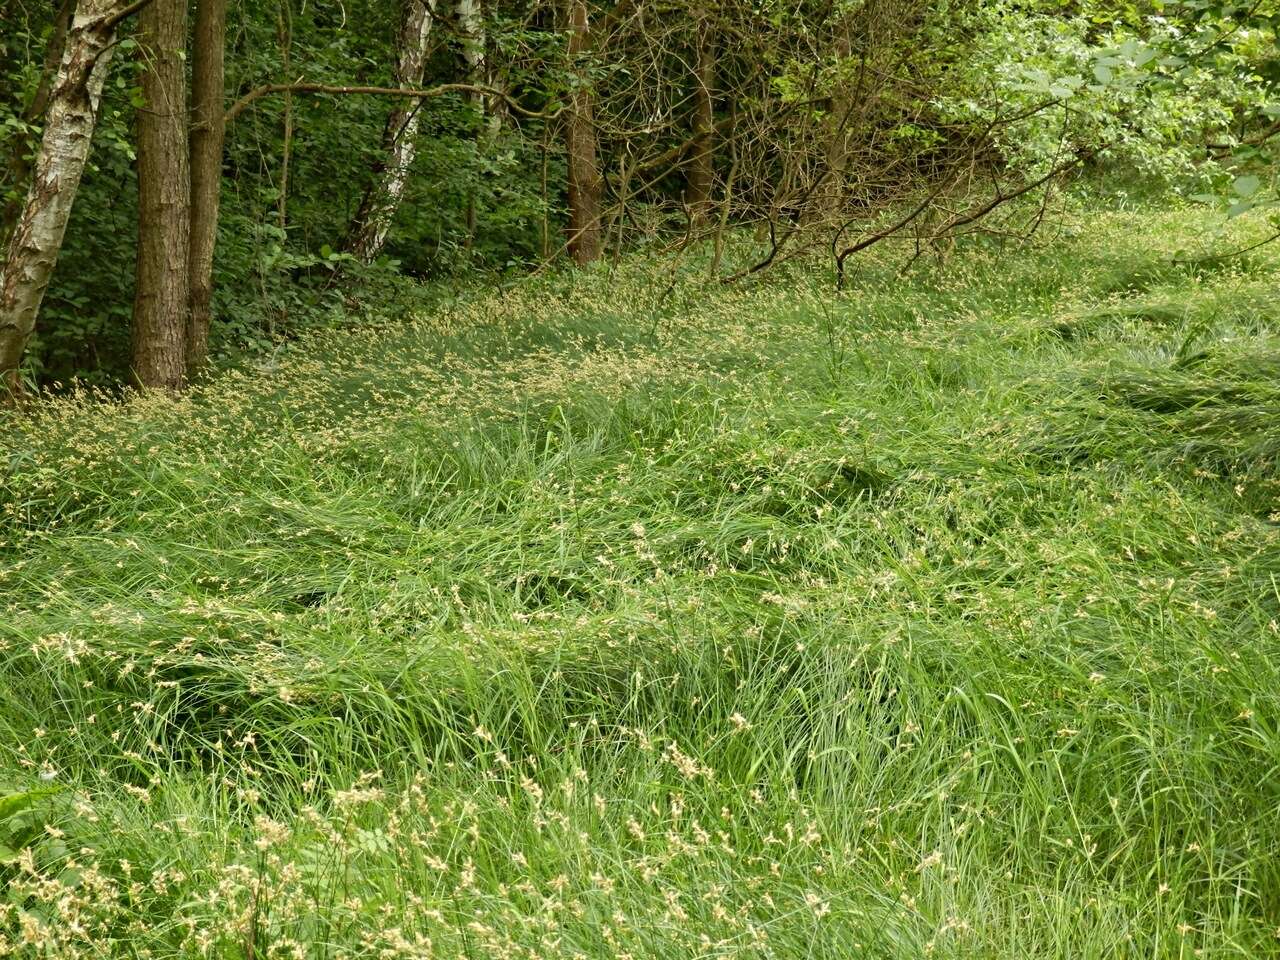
(553, 128)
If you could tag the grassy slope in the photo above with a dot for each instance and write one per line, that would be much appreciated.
(588, 621)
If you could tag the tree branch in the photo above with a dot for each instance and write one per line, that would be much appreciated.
(267, 89)
(121, 15)
(962, 219)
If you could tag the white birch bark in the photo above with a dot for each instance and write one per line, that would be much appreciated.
(471, 26)
(399, 140)
(33, 246)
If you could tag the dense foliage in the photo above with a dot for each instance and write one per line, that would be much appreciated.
(835, 114)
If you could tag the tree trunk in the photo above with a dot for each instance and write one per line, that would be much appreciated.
(585, 183)
(480, 69)
(284, 36)
(839, 120)
(207, 132)
(701, 172)
(726, 201)
(378, 207)
(20, 159)
(471, 26)
(36, 237)
(161, 283)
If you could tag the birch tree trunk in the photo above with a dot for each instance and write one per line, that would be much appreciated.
(471, 26)
(399, 139)
(162, 283)
(207, 133)
(20, 159)
(585, 182)
(474, 43)
(37, 233)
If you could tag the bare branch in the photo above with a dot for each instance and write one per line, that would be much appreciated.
(267, 89)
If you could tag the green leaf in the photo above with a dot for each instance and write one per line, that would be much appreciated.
(15, 803)
(1102, 72)
(1246, 186)
(1242, 206)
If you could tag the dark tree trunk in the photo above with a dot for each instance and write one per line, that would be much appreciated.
(207, 132)
(585, 182)
(840, 121)
(284, 36)
(164, 201)
(701, 172)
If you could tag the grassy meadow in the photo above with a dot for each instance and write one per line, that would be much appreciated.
(624, 615)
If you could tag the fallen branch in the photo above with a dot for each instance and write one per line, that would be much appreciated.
(958, 220)
(1226, 256)
(1261, 137)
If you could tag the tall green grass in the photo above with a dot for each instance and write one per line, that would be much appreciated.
(601, 619)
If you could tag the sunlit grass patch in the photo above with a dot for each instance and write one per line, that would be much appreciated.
(585, 620)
